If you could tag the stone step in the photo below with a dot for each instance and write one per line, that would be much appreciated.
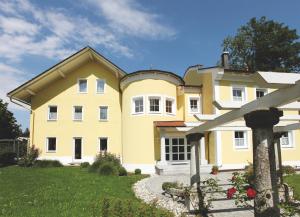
(180, 169)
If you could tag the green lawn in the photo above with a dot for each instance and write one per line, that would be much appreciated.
(66, 191)
(294, 181)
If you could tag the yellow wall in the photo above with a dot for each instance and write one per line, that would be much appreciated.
(140, 138)
(64, 94)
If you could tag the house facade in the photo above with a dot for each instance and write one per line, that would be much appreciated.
(85, 105)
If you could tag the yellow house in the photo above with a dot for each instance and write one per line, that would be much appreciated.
(86, 104)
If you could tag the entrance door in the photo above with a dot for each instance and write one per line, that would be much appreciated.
(77, 148)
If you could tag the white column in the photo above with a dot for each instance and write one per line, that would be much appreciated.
(203, 160)
(218, 147)
(162, 149)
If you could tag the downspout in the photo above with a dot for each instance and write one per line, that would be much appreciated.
(31, 111)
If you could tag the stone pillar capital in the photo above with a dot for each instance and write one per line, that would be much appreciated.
(194, 137)
(263, 118)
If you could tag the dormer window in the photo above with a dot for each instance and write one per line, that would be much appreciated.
(100, 86)
(194, 105)
(260, 92)
(52, 113)
(238, 94)
(82, 86)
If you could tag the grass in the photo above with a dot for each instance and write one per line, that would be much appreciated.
(66, 191)
(294, 181)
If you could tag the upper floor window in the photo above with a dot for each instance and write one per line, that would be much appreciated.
(103, 144)
(82, 86)
(52, 113)
(194, 104)
(100, 85)
(103, 113)
(240, 139)
(51, 144)
(138, 105)
(170, 106)
(238, 94)
(260, 93)
(286, 140)
(154, 103)
(77, 113)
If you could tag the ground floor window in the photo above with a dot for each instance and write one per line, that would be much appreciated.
(286, 140)
(177, 149)
(51, 144)
(240, 139)
(102, 144)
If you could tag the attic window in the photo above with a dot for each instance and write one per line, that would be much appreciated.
(82, 86)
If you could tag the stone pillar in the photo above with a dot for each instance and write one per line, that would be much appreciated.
(203, 160)
(277, 147)
(162, 150)
(261, 122)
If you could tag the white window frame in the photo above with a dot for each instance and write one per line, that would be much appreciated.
(160, 104)
(47, 144)
(103, 106)
(87, 85)
(245, 146)
(291, 140)
(171, 151)
(167, 98)
(265, 90)
(48, 115)
(82, 112)
(99, 143)
(104, 86)
(244, 93)
(133, 105)
(198, 104)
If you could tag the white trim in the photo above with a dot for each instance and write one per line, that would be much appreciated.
(246, 143)
(161, 104)
(133, 105)
(78, 86)
(73, 113)
(104, 86)
(99, 110)
(99, 144)
(48, 115)
(174, 105)
(47, 143)
(146, 168)
(198, 104)
(73, 157)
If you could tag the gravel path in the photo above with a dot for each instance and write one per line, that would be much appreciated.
(150, 191)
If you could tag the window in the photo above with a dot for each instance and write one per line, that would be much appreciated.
(286, 140)
(103, 144)
(154, 103)
(167, 148)
(138, 105)
(77, 113)
(52, 113)
(100, 86)
(177, 150)
(260, 93)
(82, 86)
(240, 139)
(51, 144)
(238, 94)
(103, 113)
(169, 106)
(194, 105)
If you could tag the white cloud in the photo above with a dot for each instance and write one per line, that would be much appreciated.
(126, 16)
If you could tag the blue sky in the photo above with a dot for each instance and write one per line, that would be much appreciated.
(134, 34)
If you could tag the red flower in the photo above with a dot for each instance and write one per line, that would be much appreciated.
(251, 193)
(231, 192)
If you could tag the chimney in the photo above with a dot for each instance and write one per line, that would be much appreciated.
(225, 59)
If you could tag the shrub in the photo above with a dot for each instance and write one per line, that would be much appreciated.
(30, 158)
(137, 171)
(84, 165)
(104, 158)
(249, 174)
(288, 170)
(7, 158)
(47, 163)
(167, 185)
(122, 171)
(108, 169)
(214, 170)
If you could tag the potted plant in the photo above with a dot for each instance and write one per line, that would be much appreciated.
(215, 170)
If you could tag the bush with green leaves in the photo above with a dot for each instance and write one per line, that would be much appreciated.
(84, 165)
(167, 185)
(288, 170)
(137, 171)
(29, 159)
(108, 169)
(249, 174)
(47, 163)
(105, 158)
(122, 171)
(7, 158)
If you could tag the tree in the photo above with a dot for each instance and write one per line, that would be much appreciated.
(9, 129)
(26, 133)
(264, 45)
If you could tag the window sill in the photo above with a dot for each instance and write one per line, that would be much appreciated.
(52, 120)
(138, 113)
(241, 148)
(50, 151)
(171, 114)
(103, 120)
(100, 93)
(287, 147)
(77, 120)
